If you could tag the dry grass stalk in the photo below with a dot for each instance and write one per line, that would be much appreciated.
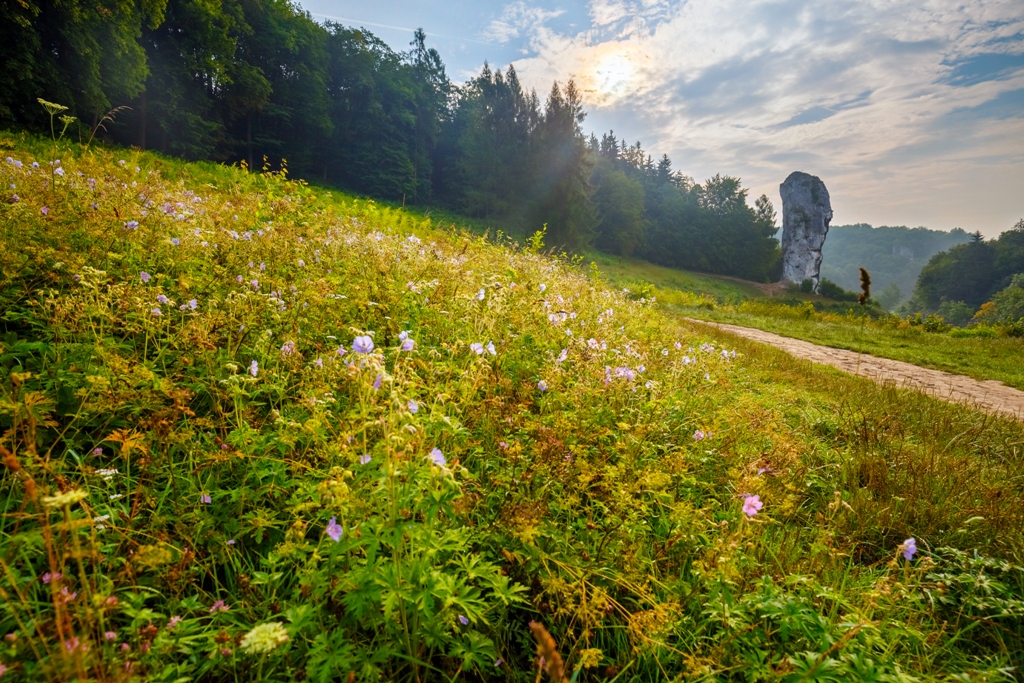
(547, 650)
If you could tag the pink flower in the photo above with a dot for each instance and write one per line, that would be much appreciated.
(48, 577)
(144, 276)
(174, 621)
(45, 210)
(218, 606)
(205, 499)
(751, 505)
(110, 635)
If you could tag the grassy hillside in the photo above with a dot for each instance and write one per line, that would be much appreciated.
(253, 431)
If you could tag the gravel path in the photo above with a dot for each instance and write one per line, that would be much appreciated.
(988, 395)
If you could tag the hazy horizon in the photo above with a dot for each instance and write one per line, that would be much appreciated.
(911, 116)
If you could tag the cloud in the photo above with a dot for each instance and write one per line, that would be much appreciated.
(884, 100)
(517, 19)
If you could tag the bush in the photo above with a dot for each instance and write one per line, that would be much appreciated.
(831, 290)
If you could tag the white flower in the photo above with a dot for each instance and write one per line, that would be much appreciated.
(264, 638)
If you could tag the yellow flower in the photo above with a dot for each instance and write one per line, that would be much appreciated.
(264, 638)
(63, 499)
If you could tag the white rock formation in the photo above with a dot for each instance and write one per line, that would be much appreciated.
(806, 213)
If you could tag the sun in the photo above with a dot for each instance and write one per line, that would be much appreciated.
(613, 74)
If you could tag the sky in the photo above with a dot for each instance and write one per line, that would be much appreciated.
(910, 111)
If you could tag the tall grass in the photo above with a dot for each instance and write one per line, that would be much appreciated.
(210, 475)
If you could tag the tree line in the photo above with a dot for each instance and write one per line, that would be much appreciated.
(240, 80)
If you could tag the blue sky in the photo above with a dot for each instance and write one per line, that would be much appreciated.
(911, 112)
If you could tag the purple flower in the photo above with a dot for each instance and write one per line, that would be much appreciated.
(403, 335)
(175, 241)
(490, 349)
(463, 620)
(499, 661)
(319, 362)
(480, 295)
(239, 279)
(362, 344)
(161, 298)
(334, 529)
(909, 548)
(365, 459)
(751, 505)
(218, 606)
(542, 385)
(477, 348)
(437, 457)
(408, 345)
(192, 304)
(97, 451)
(110, 635)
(156, 311)
(45, 210)
(377, 381)
(413, 406)
(205, 499)
(144, 276)
(231, 541)
(699, 435)
(48, 577)
(543, 287)
(131, 225)
(254, 368)
(287, 348)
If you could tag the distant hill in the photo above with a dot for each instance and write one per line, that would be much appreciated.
(890, 254)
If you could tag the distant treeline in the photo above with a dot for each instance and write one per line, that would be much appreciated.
(982, 276)
(237, 80)
(894, 255)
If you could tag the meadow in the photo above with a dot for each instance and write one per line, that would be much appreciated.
(253, 430)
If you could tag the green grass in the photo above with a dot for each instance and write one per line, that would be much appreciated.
(173, 481)
(635, 273)
(983, 358)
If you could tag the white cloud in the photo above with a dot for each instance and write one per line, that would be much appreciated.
(878, 98)
(517, 19)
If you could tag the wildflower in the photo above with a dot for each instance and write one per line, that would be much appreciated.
(562, 356)
(542, 385)
(35, 164)
(110, 635)
(63, 499)
(413, 406)
(543, 287)
(71, 644)
(156, 311)
(97, 451)
(131, 225)
(205, 499)
(193, 304)
(287, 348)
(263, 266)
(437, 457)
(231, 541)
(48, 577)
(255, 284)
(341, 351)
(362, 344)
(678, 346)
(175, 241)
(499, 661)
(125, 647)
(45, 210)
(144, 276)
(60, 172)
(334, 529)
(302, 264)
(377, 381)
(225, 652)
(649, 385)
(365, 459)
(239, 279)
(909, 548)
(162, 298)
(111, 601)
(480, 295)
(218, 606)
(699, 435)
(319, 362)
(408, 345)
(477, 348)
(174, 621)
(463, 620)
(15, 199)
(503, 445)
(751, 504)
(264, 638)
(254, 368)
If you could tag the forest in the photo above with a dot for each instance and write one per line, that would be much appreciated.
(258, 82)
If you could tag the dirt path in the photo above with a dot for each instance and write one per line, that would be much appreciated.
(988, 395)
